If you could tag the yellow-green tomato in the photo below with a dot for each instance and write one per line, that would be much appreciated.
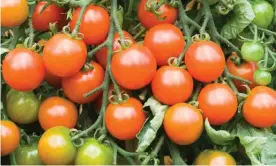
(263, 13)
(27, 155)
(214, 157)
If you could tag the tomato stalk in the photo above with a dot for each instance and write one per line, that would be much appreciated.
(31, 33)
(267, 31)
(130, 8)
(16, 35)
(196, 20)
(177, 159)
(119, 29)
(92, 52)
(143, 29)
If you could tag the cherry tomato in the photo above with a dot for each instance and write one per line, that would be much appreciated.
(101, 55)
(259, 107)
(205, 61)
(57, 111)
(148, 19)
(263, 13)
(52, 14)
(82, 82)
(214, 157)
(164, 41)
(172, 85)
(93, 152)
(134, 67)
(13, 12)
(252, 51)
(124, 120)
(94, 24)
(22, 107)
(27, 155)
(183, 117)
(23, 69)
(262, 77)
(55, 147)
(218, 103)
(10, 137)
(53, 80)
(64, 56)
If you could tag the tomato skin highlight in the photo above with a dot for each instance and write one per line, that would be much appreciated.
(259, 108)
(27, 155)
(218, 103)
(214, 157)
(94, 24)
(164, 41)
(10, 137)
(53, 80)
(205, 61)
(172, 85)
(129, 112)
(23, 69)
(134, 67)
(183, 123)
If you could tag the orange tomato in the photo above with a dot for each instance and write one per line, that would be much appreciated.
(10, 137)
(214, 157)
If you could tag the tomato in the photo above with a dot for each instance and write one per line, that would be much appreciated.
(262, 77)
(22, 107)
(93, 152)
(82, 82)
(53, 80)
(124, 120)
(259, 107)
(263, 13)
(52, 14)
(94, 24)
(13, 12)
(134, 67)
(23, 69)
(148, 19)
(183, 123)
(164, 41)
(64, 56)
(252, 51)
(214, 157)
(27, 155)
(205, 61)
(55, 147)
(57, 111)
(169, 83)
(10, 137)
(101, 55)
(218, 103)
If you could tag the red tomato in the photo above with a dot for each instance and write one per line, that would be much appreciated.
(218, 103)
(52, 14)
(164, 41)
(259, 108)
(57, 111)
(148, 19)
(82, 82)
(23, 69)
(10, 137)
(53, 80)
(94, 25)
(183, 123)
(134, 67)
(172, 85)
(125, 120)
(101, 55)
(64, 56)
(205, 61)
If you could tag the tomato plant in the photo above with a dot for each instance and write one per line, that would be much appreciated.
(27, 155)
(10, 137)
(214, 157)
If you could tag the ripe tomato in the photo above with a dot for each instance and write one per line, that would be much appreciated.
(101, 55)
(55, 147)
(183, 123)
(205, 61)
(13, 12)
(134, 67)
(218, 103)
(124, 120)
(63, 56)
(214, 157)
(263, 13)
(57, 111)
(10, 137)
(52, 14)
(23, 69)
(93, 152)
(94, 25)
(82, 82)
(53, 80)
(164, 41)
(27, 155)
(252, 51)
(22, 107)
(172, 85)
(259, 108)
(148, 19)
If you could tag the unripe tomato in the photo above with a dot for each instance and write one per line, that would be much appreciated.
(263, 13)
(214, 157)
(252, 51)
(53, 80)
(262, 77)
(27, 155)
(10, 137)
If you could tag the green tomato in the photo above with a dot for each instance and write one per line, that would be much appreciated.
(93, 152)
(27, 155)
(262, 77)
(263, 13)
(22, 107)
(252, 51)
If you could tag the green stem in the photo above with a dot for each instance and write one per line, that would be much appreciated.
(196, 93)
(143, 29)
(255, 32)
(266, 57)
(204, 25)
(117, 25)
(155, 151)
(16, 35)
(130, 8)
(176, 157)
(229, 75)
(92, 52)
(267, 31)
(196, 20)
(116, 86)
(93, 91)
(31, 34)
(120, 150)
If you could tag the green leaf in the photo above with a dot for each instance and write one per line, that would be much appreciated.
(176, 157)
(4, 50)
(243, 14)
